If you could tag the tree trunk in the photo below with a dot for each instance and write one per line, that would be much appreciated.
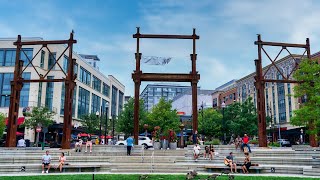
(312, 137)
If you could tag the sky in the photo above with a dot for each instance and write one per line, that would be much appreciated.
(227, 30)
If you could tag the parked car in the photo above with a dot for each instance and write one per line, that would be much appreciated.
(144, 141)
(284, 142)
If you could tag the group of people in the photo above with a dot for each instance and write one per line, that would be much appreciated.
(208, 152)
(46, 162)
(228, 161)
(242, 142)
(79, 142)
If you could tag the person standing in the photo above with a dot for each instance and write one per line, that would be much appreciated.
(46, 159)
(129, 145)
(89, 143)
(245, 142)
(195, 137)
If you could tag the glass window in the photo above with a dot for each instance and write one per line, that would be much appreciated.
(106, 90)
(6, 79)
(96, 83)
(26, 55)
(63, 93)
(83, 102)
(85, 76)
(39, 94)
(95, 103)
(2, 59)
(10, 58)
(49, 93)
(65, 64)
(24, 94)
(75, 69)
(43, 54)
(52, 60)
(121, 96)
(114, 101)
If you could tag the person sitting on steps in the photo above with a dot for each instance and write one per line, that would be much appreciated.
(228, 161)
(247, 163)
(245, 141)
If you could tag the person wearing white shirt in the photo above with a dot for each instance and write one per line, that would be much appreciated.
(21, 143)
(46, 159)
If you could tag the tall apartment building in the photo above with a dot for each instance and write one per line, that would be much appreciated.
(152, 93)
(279, 104)
(93, 89)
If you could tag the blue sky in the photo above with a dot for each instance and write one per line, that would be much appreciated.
(227, 30)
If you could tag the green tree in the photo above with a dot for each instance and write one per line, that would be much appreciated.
(210, 124)
(162, 115)
(309, 112)
(2, 124)
(125, 119)
(241, 118)
(39, 116)
(91, 123)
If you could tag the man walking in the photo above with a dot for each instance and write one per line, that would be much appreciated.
(245, 142)
(129, 145)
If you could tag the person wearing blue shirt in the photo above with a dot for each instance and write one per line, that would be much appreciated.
(129, 145)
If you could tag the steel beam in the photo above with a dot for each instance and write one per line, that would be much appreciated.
(157, 36)
(280, 44)
(167, 77)
(44, 42)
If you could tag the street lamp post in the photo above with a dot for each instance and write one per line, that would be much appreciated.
(113, 117)
(301, 136)
(181, 135)
(271, 123)
(106, 124)
(223, 105)
(98, 114)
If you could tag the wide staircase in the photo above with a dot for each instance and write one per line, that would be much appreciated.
(301, 161)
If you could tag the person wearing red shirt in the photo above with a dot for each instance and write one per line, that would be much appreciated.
(245, 141)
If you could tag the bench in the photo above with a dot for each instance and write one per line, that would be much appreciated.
(254, 167)
(80, 167)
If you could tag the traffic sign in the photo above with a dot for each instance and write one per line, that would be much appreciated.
(38, 129)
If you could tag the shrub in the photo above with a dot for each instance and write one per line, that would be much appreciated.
(213, 142)
(275, 144)
(254, 142)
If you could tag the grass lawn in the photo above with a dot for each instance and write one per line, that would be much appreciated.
(136, 177)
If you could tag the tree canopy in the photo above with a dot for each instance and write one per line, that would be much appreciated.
(2, 124)
(241, 118)
(163, 116)
(91, 122)
(125, 119)
(210, 124)
(309, 112)
(39, 116)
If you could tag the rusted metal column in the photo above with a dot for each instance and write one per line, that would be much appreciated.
(69, 88)
(260, 85)
(194, 84)
(16, 87)
(136, 111)
(137, 83)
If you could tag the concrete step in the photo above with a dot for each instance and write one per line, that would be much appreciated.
(311, 172)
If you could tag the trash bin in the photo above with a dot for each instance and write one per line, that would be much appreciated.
(27, 142)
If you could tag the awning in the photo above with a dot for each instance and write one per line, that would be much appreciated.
(108, 137)
(19, 122)
(19, 133)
